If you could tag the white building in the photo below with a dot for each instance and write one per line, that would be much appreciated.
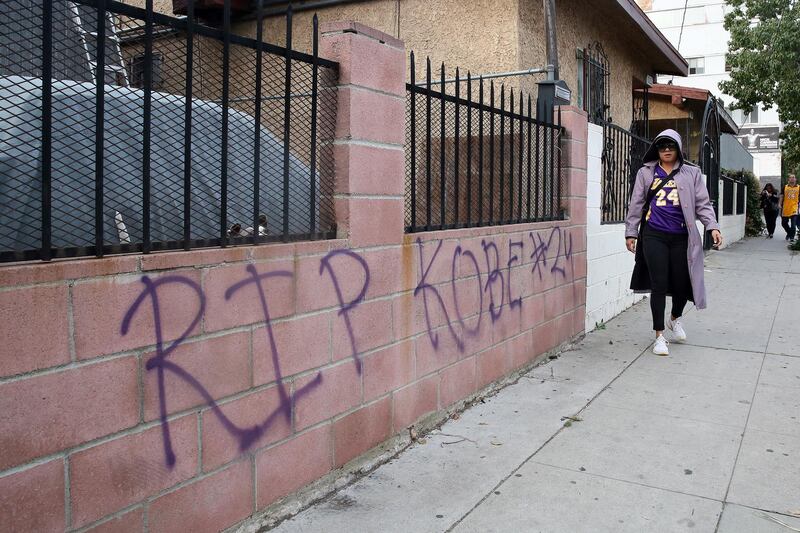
(696, 29)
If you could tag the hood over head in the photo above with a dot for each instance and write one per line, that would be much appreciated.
(652, 152)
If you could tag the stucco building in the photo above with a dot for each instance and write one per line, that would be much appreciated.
(486, 37)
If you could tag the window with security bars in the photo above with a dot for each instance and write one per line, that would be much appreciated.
(594, 83)
(187, 139)
(640, 121)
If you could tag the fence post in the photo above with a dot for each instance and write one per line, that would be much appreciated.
(369, 160)
(574, 166)
(574, 162)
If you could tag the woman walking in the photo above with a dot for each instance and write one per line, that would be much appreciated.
(769, 203)
(669, 196)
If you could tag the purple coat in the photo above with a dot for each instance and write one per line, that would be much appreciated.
(695, 205)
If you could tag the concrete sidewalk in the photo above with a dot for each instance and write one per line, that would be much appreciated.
(705, 440)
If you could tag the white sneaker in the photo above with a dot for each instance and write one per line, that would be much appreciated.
(661, 347)
(676, 327)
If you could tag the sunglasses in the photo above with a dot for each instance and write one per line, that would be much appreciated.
(666, 146)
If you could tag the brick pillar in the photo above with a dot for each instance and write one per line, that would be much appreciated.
(370, 132)
(574, 162)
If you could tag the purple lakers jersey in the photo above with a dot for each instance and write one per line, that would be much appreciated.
(665, 208)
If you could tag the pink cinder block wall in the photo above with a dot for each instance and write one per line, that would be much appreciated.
(188, 390)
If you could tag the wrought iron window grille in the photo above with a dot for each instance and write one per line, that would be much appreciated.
(596, 83)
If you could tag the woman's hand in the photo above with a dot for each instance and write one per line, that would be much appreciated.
(630, 243)
(717, 238)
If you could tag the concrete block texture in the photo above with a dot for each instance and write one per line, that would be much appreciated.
(595, 141)
(208, 504)
(105, 478)
(236, 363)
(21, 318)
(368, 116)
(33, 499)
(307, 456)
(190, 391)
(593, 190)
(48, 413)
(384, 72)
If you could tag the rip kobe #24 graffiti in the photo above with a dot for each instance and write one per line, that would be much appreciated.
(496, 288)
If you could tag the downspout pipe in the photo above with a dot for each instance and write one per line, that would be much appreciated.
(550, 32)
(552, 91)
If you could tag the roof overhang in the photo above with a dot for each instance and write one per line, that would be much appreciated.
(666, 59)
(679, 93)
(726, 122)
(689, 93)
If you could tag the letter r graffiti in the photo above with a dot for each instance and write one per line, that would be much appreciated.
(159, 362)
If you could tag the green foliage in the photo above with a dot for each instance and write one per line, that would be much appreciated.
(764, 56)
(753, 224)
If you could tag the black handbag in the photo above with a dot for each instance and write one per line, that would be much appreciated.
(640, 278)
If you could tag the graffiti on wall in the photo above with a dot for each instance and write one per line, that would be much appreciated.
(498, 284)
(495, 288)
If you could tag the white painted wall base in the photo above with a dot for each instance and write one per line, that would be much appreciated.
(609, 265)
(732, 228)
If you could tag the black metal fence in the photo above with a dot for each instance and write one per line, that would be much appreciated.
(477, 161)
(128, 130)
(621, 159)
(728, 186)
(740, 197)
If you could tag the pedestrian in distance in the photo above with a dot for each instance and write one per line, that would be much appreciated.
(789, 203)
(668, 198)
(770, 205)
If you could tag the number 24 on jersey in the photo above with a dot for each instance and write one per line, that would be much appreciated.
(662, 197)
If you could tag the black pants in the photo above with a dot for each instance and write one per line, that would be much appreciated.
(770, 217)
(665, 254)
(790, 225)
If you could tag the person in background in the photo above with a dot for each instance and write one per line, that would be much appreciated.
(769, 204)
(789, 203)
(669, 196)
